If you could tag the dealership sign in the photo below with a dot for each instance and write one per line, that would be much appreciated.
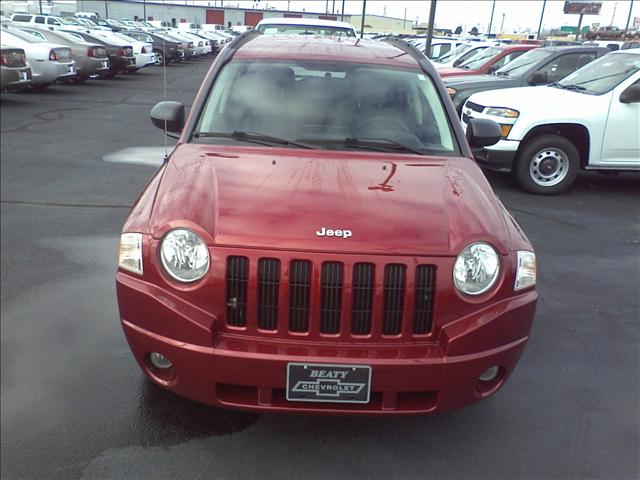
(582, 8)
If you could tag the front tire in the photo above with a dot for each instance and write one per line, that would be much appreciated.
(159, 57)
(547, 165)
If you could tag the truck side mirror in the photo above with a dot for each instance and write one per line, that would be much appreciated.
(631, 94)
(539, 78)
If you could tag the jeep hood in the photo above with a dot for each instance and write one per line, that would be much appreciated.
(277, 198)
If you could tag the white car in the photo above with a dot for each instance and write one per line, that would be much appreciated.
(49, 21)
(463, 53)
(304, 26)
(201, 45)
(50, 62)
(589, 119)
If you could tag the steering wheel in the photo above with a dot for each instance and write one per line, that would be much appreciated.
(385, 123)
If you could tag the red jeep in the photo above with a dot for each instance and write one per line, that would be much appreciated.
(321, 240)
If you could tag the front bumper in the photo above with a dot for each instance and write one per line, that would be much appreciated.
(248, 372)
(500, 156)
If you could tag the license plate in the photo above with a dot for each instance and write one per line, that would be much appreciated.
(321, 382)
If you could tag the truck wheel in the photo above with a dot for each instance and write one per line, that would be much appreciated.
(547, 165)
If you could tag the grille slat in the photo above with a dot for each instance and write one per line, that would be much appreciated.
(425, 293)
(394, 289)
(268, 291)
(237, 278)
(299, 295)
(331, 297)
(362, 309)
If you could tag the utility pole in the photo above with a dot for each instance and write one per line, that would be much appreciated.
(333, 7)
(364, 9)
(288, 4)
(326, 7)
(491, 19)
(144, 9)
(626, 28)
(544, 3)
(579, 27)
(615, 7)
(40, 2)
(502, 24)
(432, 16)
(106, 8)
(342, 12)
(404, 22)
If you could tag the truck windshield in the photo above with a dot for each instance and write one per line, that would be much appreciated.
(603, 74)
(328, 105)
(524, 62)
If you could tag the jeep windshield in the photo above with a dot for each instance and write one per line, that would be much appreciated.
(340, 106)
(602, 75)
(275, 29)
(523, 63)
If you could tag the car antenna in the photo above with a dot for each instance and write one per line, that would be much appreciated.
(164, 87)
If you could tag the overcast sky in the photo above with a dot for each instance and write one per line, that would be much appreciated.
(451, 13)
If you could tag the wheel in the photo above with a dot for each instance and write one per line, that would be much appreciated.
(40, 87)
(81, 79)
(547, 165)
(159, 57)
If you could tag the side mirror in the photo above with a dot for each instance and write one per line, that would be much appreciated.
(631, 94)
(482, 132)
(539, 78)
(169, 115)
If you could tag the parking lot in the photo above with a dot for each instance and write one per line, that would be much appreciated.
(75, 404)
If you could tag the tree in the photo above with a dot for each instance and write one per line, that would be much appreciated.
(474, 31)
(458, 30)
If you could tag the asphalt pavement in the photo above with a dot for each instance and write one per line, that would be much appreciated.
(75, 405)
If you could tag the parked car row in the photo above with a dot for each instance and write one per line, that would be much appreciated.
(40, 50)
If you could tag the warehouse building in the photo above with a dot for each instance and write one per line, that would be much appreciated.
(178, 13)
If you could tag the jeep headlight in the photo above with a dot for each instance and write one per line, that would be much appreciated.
(184, 255)
(502, 112)
(130, 254)
(476, 269)
(526, 271)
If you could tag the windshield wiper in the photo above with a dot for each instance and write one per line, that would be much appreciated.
(575, 88)
(370, 143)
(254, 137)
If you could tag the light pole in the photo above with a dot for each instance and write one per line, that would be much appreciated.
(502, 24)
(544, 3)
(491, 19)
(432, 16)
(364, 9)
(106, 8)
(342, 12)
(626, 28)
(144, 9)
(615, 7)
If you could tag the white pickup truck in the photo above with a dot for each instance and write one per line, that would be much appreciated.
(590, 119)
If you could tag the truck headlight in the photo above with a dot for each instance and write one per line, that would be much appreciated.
(184, 255)
(526, 272)
(476, 269)
(130, 254)
(502, 112)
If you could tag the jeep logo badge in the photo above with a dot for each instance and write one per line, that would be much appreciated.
(328, 232)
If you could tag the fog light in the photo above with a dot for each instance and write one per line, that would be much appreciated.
(160, 361)
(488, 375)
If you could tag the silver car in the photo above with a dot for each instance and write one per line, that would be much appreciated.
(50, 62)
(14, 69)
(91, 58)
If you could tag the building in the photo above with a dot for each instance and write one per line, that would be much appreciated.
(179, 13)
(381, 24)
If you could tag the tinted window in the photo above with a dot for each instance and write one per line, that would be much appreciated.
(562, 66)
(39, 20)
(21, 18)
(325, 103)
(524, 62)
(52, 21)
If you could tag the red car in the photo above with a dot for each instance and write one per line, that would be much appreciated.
(487, 61)
(321, 240)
